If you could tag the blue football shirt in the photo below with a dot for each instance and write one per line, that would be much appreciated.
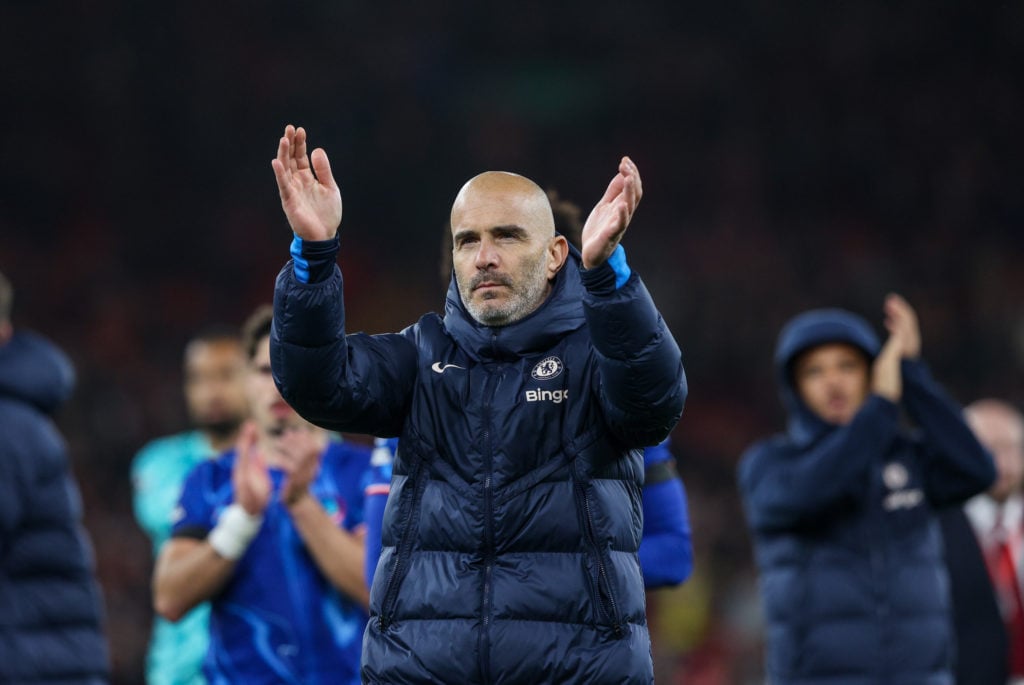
(278, 619)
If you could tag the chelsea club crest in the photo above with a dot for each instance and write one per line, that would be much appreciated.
(546, 369)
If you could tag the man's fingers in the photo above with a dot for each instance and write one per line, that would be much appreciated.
(637, 182)
(632, 197)
(281, 175)
(299, 153)
(247, 437)
(624, 212)
(322, 168)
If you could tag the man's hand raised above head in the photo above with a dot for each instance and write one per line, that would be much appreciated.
(609, 219)
(904, 343)
(901, 322)
(309, 196)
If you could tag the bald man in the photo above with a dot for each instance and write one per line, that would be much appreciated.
(511, 532)
(997, 517)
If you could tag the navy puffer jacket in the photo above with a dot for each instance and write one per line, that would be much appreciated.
(512, 528)
(50, 630)
(847, 540)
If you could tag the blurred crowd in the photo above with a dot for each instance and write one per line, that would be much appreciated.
(792, 157)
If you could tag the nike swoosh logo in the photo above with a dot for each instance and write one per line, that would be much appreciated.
(437, 368)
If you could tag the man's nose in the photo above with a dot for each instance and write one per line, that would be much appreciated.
(486, 255)
(834, 380)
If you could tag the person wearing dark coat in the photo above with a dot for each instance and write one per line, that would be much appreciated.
(842, 506)
(51, 630)
(981, 639)
(511, 533)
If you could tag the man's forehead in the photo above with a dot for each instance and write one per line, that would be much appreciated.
(498, 198)
(995, 418)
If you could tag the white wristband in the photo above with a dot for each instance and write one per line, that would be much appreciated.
(234, 531)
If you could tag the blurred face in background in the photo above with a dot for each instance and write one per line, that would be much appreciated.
(1000, 429)
(833, 381)
(214, 386)
(272, 414)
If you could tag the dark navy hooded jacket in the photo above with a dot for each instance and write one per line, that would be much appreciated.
(847, 542)
(50, 629)
(511, 533)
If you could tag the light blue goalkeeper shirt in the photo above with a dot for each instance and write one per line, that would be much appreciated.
(176, 650)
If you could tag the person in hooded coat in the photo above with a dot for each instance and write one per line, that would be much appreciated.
(842, 506)
(51, 616)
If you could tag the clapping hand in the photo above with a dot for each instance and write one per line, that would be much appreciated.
(609, 219)
(309, 196)
(904, 342)
(249, 476)
(299, 451)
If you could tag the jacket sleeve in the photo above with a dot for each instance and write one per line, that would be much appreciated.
(957, 467)
(783, 488)
(666, 551)
(357, 383)
(641, 385)
(16, 456)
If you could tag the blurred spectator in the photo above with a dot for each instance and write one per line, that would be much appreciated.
(981, 642)
(269, 533)
(842, 505)
(214, 368)
(997, 517)
(50, 607)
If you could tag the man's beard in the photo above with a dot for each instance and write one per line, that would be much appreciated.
(220, 429)
(522, 300)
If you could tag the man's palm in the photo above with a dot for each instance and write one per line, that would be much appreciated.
(609, 219)
(309, 195)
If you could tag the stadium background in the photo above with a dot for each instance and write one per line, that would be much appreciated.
(793, 156)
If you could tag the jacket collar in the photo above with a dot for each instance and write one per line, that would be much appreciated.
(560, 314)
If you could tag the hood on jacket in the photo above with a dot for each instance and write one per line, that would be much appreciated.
(33, 370)
(559, 314)
(801, 333)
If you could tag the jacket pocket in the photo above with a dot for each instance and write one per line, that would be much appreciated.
(600, 584)
(408, 514)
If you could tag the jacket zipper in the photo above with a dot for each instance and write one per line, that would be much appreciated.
(606, 598)
(404, 549)
(489, 554)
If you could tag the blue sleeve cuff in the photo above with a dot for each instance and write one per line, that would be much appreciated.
(313, 260)
(617, 261)
(609, 276)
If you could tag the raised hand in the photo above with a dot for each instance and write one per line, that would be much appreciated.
(249, 476)
(901, 322)
(904, 343)
(309, 196)
(299, 452)
(609, 219)
(886, 377)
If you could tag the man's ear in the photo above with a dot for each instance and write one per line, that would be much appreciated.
(558, 251)
(6, 331)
